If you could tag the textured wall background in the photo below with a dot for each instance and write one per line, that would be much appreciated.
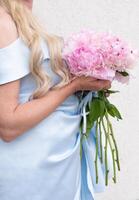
(122, 17)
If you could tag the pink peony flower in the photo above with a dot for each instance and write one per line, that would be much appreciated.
(99, 55)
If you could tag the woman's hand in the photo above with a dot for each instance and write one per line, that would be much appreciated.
(90, 83)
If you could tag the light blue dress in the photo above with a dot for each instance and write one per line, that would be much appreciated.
(44, 163)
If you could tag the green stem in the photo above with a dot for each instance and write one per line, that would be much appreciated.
(115, 144)
(106, 159)
(113, 150)
(96, 156)
(101, 152)
(111, 147)
(114, 170)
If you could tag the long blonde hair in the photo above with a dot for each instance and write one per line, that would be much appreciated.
(31, 32)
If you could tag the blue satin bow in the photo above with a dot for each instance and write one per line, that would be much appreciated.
(89, 185)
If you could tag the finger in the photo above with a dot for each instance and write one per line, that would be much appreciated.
(107, 85)
(102, 84)
(93, 79)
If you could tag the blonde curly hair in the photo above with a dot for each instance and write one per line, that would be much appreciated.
(32, 32)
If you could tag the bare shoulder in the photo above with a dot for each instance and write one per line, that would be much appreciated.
(8, 30)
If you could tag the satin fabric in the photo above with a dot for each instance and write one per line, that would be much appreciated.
(44, 163)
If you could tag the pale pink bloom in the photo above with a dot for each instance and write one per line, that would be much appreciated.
(121, 79)
(99, 55)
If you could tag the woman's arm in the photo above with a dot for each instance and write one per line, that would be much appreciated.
(17, 118)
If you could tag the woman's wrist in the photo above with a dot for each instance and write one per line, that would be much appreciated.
(73, 85)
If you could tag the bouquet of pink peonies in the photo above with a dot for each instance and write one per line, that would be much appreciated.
(102, 56)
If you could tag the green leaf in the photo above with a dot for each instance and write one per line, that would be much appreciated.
(90, 124)
(97, 109)
(112, 91)
(113, 111)
(101, 94)
(123, 73)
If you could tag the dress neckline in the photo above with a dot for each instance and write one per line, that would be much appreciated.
(12, 44)
(19, 42)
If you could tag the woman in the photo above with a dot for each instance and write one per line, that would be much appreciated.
(39, 119)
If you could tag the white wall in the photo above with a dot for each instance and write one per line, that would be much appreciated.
(122, 17)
